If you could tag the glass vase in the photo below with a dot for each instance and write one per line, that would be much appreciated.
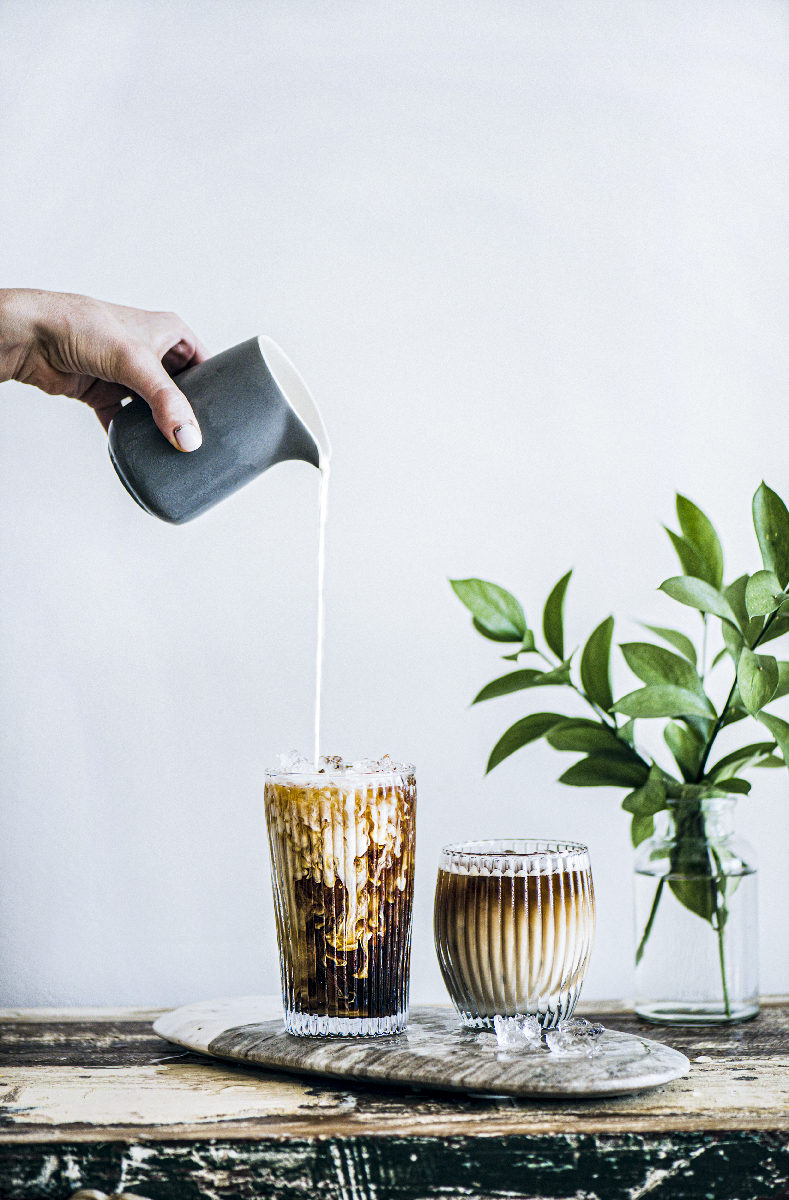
(696, 918)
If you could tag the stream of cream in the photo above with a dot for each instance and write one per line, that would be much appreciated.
(322, 504)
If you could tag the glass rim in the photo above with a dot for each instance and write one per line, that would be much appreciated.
(720, 798)
(333, 774)
(505, 848)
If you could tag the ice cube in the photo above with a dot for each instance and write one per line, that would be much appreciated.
(331, 762)
(575, 1036)
(293, 761)
(386, 765)
(365, 766)
(521, 1032)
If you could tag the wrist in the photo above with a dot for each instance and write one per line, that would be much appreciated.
(17, 329)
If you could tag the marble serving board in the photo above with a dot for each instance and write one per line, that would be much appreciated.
(436, 1051)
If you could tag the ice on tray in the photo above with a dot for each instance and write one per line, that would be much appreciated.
(520, 1032)
(575, 1036)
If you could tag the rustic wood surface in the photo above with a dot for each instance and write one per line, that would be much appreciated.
(98, 1101)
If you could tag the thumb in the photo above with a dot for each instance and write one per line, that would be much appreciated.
(140, 370)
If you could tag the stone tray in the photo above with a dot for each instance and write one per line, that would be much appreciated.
(435, 1052)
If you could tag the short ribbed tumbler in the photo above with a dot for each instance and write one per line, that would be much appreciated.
(514, 927)
(342, 855)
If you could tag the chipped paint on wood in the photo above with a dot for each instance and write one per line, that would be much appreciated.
(680, 1167)
(722, 1134)
(156, 1095)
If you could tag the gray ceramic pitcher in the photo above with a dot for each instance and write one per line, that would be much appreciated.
(254, 410)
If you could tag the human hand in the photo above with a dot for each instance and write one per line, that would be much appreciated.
(99, 353)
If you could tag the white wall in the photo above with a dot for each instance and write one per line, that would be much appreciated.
(532, 261)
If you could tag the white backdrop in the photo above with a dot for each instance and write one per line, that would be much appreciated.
(532, 262)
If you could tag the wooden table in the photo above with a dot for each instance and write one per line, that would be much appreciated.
(95, 1100)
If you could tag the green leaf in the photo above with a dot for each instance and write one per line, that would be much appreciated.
(641, 828)
(553, 617)
(517, 681)
(697, 894)
(734, 713)
(780, 731)
(663, 700)
(526, 647)
(763, 594)
(650, 798)
(771, 522)
(777, 629)
(735, 594)
(727, 767)
(528, 729)
(685, 747)
(740, 787)
(698, 594)
(757, 679)
(589, 737)
(770, 760)
(719, 657)
(654, 664)
(595, 665)
(700, 532)
(783, 681)
(497, 614)
(603, 770)
(701, 727)
(690, 560)
(734, 641)
(493, 637)
(628, 733)
(676, 639)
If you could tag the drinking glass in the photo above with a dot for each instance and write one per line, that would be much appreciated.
(514, 926)
(342, 857)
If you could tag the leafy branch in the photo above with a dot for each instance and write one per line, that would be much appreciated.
(752, 611)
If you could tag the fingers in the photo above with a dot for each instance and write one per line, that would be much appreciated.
(140, 370)
(186, 352)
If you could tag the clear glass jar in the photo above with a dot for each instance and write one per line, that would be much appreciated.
(697, 952)
(514, 925)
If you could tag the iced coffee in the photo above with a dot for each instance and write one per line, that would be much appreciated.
(514, 927)
(342, 854)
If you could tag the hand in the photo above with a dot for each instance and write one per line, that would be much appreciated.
(70, 345)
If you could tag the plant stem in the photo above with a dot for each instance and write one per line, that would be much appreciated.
(715, 731)
(719, 885)
(650, 921)
(722, 959)
(597, 711)
(719, 723)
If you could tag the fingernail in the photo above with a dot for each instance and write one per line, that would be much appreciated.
(188, 437)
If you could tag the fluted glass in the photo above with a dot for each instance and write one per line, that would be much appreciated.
(342, 857)
(514, 925)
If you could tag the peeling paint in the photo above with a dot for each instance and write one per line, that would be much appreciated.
(566, 1167)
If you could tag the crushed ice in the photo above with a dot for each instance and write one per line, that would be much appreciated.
(523, 1032)
(331, 762)
(575, 1036)
(295, 763)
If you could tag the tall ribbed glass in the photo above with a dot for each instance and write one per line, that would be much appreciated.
(514, 926)
(342, 857)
